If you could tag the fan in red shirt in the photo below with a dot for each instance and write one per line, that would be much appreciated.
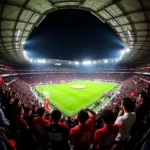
(20, 122)
(105, 137)
(46, 105)
(40, 123)
(80, 135)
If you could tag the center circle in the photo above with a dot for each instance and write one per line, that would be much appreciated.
(78, 86)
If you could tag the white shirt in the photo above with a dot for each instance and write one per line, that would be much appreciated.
(125, 123)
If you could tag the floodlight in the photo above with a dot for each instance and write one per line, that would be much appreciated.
(127, 50)
(105, 61)
(94, 62)
(130, 35)
(87, 62)
(116, 59)
(76, 63)
(31, 60)
(43, 61)
(58, 64)
(18, 33)
(23, 42)
(123, 52)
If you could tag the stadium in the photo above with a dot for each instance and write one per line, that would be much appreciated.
(74, 75)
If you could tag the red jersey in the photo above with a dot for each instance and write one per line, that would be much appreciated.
(46, 103)
(21, 123)
(63, 124)
(40, 123)
(105, 137)
(80, 135)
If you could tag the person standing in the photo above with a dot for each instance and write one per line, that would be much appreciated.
(80, 135)
(58, 135)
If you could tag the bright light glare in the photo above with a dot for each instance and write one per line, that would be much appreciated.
(117, 60)
(127, 50)
(76, 62)
(87, 62)
(23, 42)
(94, 62)
(58, 64)
(105, 61)
(30, 60)
(123, 52)
(43, 61)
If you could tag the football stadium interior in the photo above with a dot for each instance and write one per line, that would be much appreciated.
(61, 104)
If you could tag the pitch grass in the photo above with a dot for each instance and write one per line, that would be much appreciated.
(69, 100)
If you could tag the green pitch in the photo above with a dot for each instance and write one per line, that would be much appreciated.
(71, 100)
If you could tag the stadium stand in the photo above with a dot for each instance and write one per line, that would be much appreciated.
(20, 109)
(26, 125)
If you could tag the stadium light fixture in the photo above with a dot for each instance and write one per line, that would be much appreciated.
(77, 63)
(130, 35)
(87, 62)
(123, 52)
(39, 61)
(18, 35)
(44, 61)
(94, 62)
(23, 43)
(31, 60)
(58, 64)
(105, 61)
(127, 50)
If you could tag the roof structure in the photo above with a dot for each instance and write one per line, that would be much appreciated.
(129, 18)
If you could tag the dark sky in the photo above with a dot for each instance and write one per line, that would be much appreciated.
(73, 35)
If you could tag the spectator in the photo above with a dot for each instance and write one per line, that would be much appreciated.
(105, 137)
(126, 120)
(40, 123)
(58, 134)
(80, 135)
(20, 122)
(69, 122)
(140, 111)
(29, 118)
(35, 108)
(62, 122)
(3, 120)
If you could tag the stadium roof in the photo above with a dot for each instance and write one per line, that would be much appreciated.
(129, 18)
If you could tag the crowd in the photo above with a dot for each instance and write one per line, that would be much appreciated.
(25, 125)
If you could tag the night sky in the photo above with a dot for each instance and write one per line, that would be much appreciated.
(73, 35)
